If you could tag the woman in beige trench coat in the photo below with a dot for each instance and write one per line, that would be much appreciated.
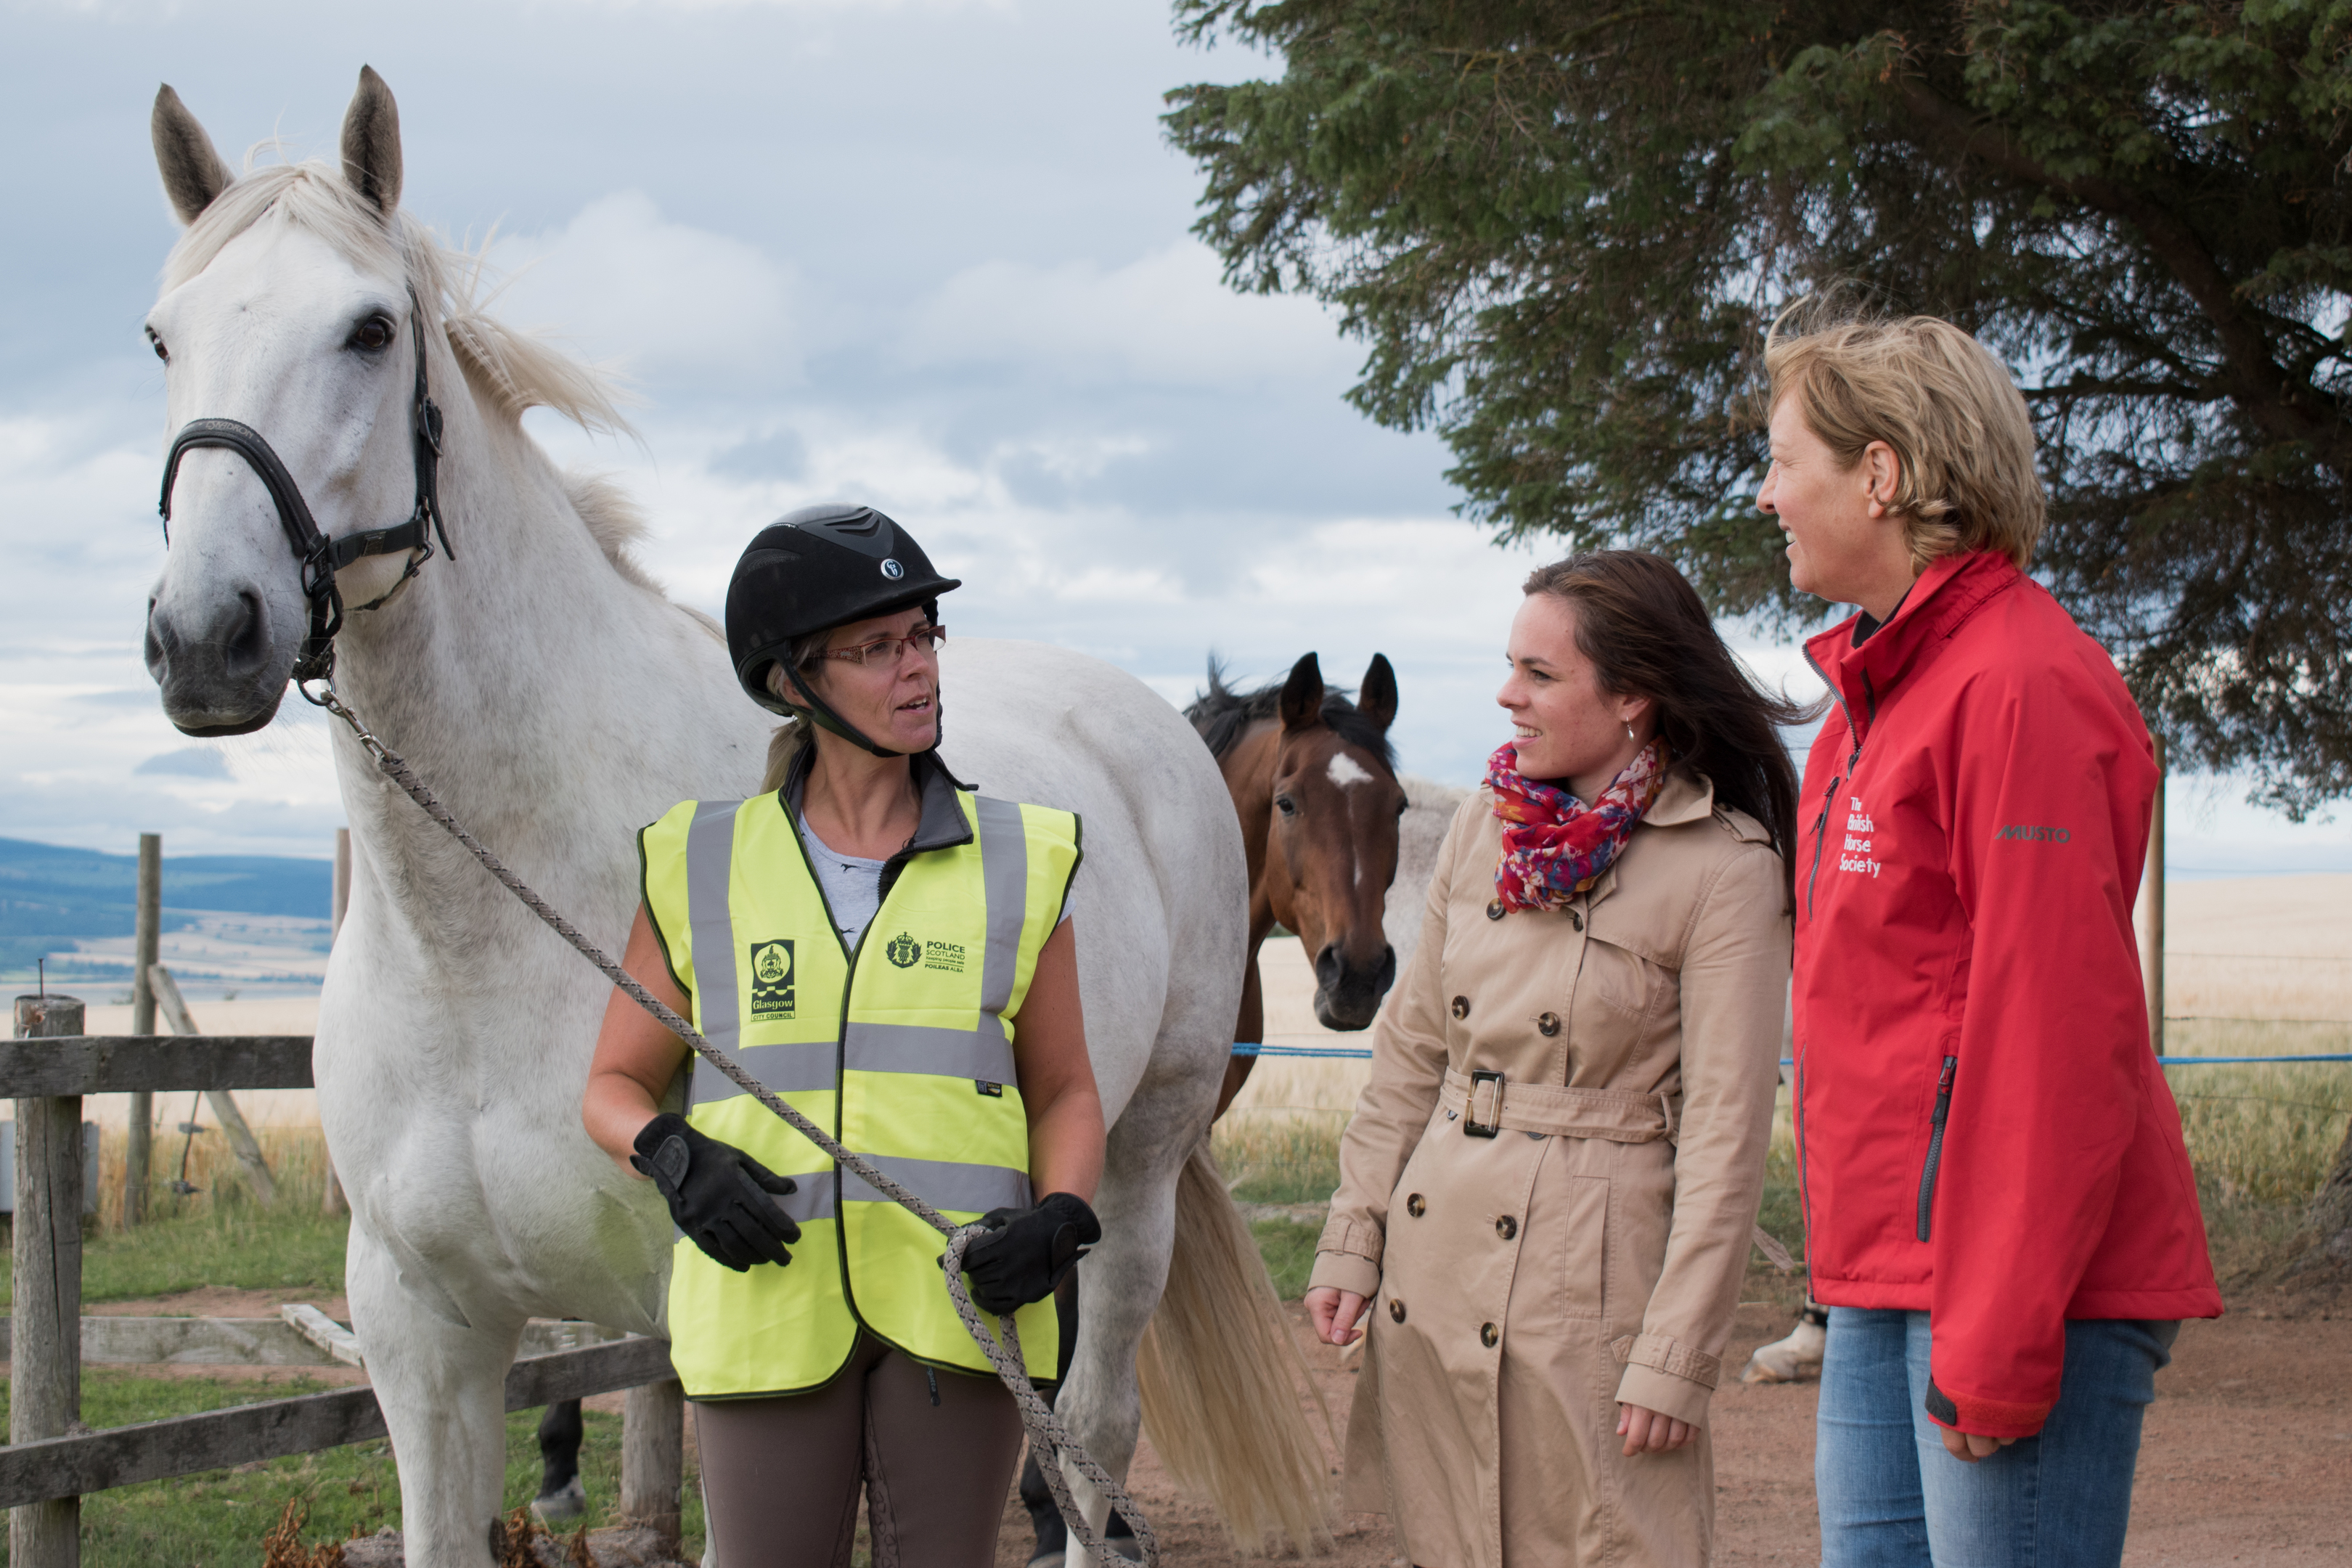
(1547, 1190)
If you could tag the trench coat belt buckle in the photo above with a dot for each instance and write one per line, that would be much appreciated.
(1488, 1105)
(1483, 1117)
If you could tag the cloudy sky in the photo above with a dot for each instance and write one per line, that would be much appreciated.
(932, 254)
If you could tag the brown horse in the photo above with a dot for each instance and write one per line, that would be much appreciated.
(1314, 781)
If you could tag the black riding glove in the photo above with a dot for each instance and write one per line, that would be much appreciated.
(718, 1194)
(1024, 1253)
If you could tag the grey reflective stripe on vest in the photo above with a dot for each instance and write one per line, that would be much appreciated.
(944, 1185)
(1004, 871)
(710, 867)
(802, 1065)
(980, 1055)
(814, 1201)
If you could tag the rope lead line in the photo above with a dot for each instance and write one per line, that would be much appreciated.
(1047, 1435)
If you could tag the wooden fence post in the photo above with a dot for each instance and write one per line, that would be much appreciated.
(2150, 913)
(653, 1457)
(146, 948)
(45, 1335)
(241, 1140)
(330, 1194)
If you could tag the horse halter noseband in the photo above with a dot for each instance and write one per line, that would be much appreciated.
(321, 557)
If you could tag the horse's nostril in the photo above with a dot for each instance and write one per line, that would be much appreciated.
(246, 641)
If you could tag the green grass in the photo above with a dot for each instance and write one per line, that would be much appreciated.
(251, 1251)
(1291, 1158)
(1288, 1247)
(221, 1235)
(217, 1520)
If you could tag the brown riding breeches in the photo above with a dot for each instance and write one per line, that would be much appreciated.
(933, 1452)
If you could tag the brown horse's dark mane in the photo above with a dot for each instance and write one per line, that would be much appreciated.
(1223, 716)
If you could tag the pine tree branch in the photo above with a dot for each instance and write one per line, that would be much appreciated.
(2277, 399)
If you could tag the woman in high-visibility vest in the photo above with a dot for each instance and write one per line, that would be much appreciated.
(889, 951)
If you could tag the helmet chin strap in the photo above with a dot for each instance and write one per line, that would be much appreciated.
(814, 709)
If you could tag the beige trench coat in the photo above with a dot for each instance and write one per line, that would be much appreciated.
(1542, 1245)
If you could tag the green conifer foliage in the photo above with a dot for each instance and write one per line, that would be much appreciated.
(1561, 231)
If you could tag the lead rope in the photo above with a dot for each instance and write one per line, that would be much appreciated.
(1047, 1437)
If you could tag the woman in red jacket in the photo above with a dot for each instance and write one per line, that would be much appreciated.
(1999, 1211)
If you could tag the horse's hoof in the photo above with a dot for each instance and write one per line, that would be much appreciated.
(1795, 1359)
(561, 1507)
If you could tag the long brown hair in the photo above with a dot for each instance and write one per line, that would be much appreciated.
(1642, 624)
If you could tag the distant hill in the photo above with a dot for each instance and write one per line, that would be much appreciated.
(47, 891)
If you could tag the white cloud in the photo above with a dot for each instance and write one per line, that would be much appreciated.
(1164, 318)
(666, 299)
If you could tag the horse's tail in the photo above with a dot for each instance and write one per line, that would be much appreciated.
(1221, 1377)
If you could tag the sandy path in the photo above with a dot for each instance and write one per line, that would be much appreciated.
(2244, 1458)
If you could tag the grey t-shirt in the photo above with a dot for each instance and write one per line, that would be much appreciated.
(852, 885)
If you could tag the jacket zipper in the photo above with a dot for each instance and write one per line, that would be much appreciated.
(1829, 798)
(1804, 1194)
(1936, 1143)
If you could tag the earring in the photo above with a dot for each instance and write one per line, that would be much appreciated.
(1629, 731)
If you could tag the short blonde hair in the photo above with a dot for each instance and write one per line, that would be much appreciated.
(1947, 408)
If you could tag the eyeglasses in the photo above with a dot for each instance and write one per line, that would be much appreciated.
(889, 651)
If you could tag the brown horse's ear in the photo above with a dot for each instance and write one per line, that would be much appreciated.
(1302, 695)
(193, 170)
(1376, 699)
(371, 142)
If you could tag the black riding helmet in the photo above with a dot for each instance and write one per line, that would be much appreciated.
(820, 567)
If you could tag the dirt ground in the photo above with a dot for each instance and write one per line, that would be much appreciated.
(2246, 1456)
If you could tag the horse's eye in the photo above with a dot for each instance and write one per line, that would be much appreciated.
(1400, 805)
(156, 343)
(375, 332)
(1285, 805)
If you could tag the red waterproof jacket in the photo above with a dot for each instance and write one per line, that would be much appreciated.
(1982, 1130)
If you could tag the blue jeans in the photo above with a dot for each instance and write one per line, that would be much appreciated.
(1891, 1497)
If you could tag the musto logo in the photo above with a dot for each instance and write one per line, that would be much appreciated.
(2035, 834)
(772, 979)
(903, 951)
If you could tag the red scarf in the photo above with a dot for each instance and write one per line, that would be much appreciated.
(1554, 846)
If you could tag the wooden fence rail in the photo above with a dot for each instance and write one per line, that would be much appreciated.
(49, 1466)
(191, 1445)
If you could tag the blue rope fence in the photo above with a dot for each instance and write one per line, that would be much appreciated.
(1357, 1053)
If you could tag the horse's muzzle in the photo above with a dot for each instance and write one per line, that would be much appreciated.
(1348, 995)
(223, 677)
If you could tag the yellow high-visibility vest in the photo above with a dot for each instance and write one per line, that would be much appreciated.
(902, 1049)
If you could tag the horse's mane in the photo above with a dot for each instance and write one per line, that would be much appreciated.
(517, 370)
(1223, 716)
(513, 370)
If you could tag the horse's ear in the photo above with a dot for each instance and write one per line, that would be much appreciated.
(1376, 699)
(1302, 695)
(193, 172)
(371, 142)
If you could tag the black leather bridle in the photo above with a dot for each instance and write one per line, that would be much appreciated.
(321, 557)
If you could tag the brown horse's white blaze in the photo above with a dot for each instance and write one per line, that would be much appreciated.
(1314, 786)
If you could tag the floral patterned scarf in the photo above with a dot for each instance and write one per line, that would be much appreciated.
(1554, 846)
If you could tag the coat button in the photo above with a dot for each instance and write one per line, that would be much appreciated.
(1415, 1204)
(1576, 919)
(1547, 1025)
(1494, 909)
(1462, 1007)
(1507, 1227)
(1487, 1334)
(1396, 1310)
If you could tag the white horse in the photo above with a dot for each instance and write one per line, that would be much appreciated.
(556, 701)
